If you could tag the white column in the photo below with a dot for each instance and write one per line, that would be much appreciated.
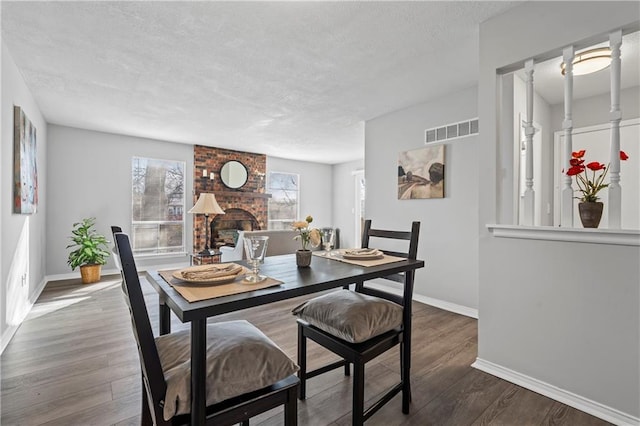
(615, 115)
(529, 131)
(566, 202)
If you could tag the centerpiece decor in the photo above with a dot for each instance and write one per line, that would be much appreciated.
(307, 236)
(589, 184)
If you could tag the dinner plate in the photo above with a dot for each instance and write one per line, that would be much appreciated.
(223, 279)
(362, 256)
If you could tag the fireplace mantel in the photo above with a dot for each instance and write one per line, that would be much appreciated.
(242, 194)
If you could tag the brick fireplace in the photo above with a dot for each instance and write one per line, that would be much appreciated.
(251, 198)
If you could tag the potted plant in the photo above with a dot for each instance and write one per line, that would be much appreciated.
(589, 207)
(90, 250)
(306, 236)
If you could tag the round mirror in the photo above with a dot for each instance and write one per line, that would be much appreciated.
(233, 174)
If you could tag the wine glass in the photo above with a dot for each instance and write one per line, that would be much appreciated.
(255, 247)
(328, 239)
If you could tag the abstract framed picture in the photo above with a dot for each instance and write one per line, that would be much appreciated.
(25, 171)
(421, 173)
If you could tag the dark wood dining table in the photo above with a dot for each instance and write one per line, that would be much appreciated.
(323, 274)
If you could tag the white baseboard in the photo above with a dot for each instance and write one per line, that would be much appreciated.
(571, 399)
(442, 304)
(9, 332)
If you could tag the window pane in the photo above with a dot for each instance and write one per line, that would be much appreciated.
(283, 204)
(157, 205)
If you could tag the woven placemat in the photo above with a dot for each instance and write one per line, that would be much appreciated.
(335, 255)
(198, 292)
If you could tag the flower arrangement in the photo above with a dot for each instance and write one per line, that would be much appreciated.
(306, 235)
(589, 187)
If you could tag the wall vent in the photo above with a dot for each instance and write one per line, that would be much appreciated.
(452, 131)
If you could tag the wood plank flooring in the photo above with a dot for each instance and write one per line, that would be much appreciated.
(74, 362)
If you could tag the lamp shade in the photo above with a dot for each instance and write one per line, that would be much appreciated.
(206, 204)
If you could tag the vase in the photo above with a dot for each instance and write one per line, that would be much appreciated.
(590, 213)
(303, 258)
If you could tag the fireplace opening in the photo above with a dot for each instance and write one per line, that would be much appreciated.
(225, 227)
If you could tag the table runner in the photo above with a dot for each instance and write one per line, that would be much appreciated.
(335, 255)
(197, 292)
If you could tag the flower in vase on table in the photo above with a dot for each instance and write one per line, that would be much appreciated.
(306, 235)
(589, 184)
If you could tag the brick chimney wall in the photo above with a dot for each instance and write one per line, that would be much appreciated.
(251, 197)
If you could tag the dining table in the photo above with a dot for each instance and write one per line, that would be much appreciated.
(324, 273)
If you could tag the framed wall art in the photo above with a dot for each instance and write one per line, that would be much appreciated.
(421, 173)
(25, 170)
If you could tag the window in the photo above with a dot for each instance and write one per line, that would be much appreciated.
(157, 206)
(284, 202)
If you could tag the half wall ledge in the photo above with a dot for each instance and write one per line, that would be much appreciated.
(622, 237)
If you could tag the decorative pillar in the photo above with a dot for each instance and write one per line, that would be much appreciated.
(566, 198)
(615, 115)
(529, 131)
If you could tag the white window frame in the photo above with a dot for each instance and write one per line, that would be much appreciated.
(159, 251)
(269, 220)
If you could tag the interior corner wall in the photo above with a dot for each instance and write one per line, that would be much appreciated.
(561, 316)
(316, 183)
(22, 267)
(448, 234)
(89, 175)
(344, 198)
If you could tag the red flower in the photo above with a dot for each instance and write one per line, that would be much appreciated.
(595, 166)
(589, 184)
(575, 170)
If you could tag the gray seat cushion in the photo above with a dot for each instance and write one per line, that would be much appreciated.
(351, 316)
(240, 359)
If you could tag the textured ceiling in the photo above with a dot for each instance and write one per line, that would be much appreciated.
(289, 79)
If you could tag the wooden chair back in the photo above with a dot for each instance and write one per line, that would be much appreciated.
(152, 374)
(411, 253)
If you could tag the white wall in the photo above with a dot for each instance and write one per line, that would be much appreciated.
(316, 183)
(562, 315)
(448, 233)
(22, 242)
(344, 201)
(89, 174)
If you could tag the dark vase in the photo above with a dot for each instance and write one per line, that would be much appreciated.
(590, 213)
(303, 258)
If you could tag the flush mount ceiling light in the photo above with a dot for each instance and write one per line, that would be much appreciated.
(590, 61)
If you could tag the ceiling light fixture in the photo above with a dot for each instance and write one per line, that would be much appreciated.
(590, 61)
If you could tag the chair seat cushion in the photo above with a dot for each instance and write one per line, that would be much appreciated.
(240, 359)
(351, 316)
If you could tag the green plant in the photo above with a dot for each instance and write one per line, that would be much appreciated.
(306, 235)
(90, 247)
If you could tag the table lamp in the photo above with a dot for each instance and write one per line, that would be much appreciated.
(206, 205)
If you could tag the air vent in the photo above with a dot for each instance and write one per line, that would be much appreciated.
(451, 131)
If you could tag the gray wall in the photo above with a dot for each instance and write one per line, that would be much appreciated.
(448, 234)
(22, 242)
(564, 316)
(89, 174)
(344, 201)
(316, 182)
(595, 110)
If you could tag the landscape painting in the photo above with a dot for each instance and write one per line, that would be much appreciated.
(421, 173)
(25, 171)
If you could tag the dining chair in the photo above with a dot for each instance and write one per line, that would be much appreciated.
(247, 374)
(359, 325)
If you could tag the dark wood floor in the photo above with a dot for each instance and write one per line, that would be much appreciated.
(74, 362)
